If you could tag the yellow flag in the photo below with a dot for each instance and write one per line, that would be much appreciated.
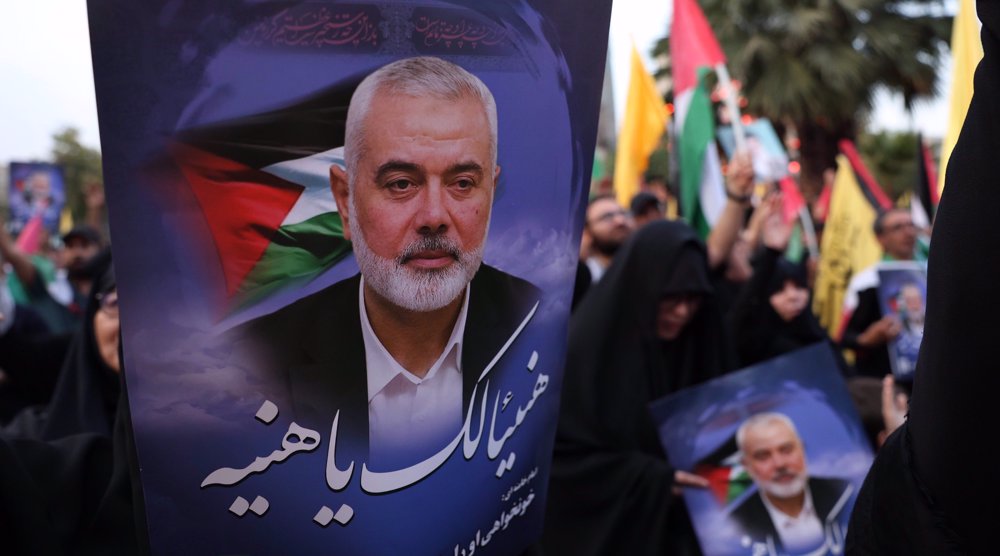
(65, 221)
(849, 246)
(643, 126)
(966, 52)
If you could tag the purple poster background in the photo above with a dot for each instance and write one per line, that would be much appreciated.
(172, 68)
(36, 188)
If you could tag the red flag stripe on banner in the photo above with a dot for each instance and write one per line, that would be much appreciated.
(243, 207)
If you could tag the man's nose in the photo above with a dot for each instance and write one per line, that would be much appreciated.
(432, 214)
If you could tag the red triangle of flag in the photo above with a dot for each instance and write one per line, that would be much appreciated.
(243, 207)
(718, 480)
(692, 44)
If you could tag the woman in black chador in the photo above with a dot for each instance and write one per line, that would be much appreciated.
(86, 395)
(649, 328)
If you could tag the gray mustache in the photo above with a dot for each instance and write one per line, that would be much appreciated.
(430, 243)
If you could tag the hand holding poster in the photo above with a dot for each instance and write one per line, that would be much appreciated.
(782, 449)
(902, 293)
(347, 263)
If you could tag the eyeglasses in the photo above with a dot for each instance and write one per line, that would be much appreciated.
(610, 215)
(108, 303)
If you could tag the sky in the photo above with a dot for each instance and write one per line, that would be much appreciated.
(48, 82)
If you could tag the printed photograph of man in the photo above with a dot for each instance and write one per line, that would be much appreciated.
(790, 510)
(397, 350)
(911, 309)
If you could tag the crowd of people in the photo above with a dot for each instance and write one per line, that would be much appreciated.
(657, 309)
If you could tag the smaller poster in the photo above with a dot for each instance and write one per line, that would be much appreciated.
(782, 448)
(770, 161)
(36, 189)
(902, 293)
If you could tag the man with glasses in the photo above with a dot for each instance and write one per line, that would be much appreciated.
(868, 331)
(605, 229)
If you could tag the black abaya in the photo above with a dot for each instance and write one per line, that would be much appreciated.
(610, 488)
(86, 394)
(931, 490)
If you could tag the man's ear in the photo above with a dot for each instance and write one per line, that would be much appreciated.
(496, 177)
(341, 193)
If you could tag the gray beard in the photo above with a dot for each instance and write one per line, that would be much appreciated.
(415, 289)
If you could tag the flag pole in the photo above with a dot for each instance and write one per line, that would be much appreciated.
(734, 109)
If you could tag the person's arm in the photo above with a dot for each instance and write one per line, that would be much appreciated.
(739, 186)
(867, 328)
(746, 321)
(20, 261)
(953, 417)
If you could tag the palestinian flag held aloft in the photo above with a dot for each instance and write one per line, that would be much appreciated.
(694, 51)
(262, 183)
(849, 246)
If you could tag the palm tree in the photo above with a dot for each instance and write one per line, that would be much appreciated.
(815, 65)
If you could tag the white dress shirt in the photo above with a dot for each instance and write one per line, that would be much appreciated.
(798, 533)
(411, 418)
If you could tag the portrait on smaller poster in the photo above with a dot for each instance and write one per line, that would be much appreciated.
(770, 161)
(782, 449)
(36, 190)
(902, 293)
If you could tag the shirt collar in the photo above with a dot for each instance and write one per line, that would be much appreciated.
(383, 368)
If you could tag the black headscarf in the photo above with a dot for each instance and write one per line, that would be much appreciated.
(610, 488)
(86, 396)
(760, 332)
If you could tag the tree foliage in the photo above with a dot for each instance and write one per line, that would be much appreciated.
(81, 167)
(815, 65)
(891, 157)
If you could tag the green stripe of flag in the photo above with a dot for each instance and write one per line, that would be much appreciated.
(297, 254)
(696, 138)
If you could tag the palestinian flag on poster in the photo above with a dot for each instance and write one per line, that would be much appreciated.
(694, 51)
(726, 476)
(262, 183)
(849, 247)
(923, 202)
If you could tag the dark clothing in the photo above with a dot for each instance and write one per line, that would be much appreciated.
(755, 522)
(70, 496)
(610, 485)
(581, 284)
(930, 491)
(760, 332)
(86, 395)
(873, 361)
(30, 358)
(316, 348)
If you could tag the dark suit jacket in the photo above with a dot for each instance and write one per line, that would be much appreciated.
(315, 347)
(753, 519)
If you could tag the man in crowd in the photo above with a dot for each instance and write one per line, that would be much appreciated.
(790, 509)
(395, 352)
(645, 208)
(868, 331)
(606, 227)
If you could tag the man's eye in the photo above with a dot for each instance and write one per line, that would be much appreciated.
(400, 185)
(464, 183)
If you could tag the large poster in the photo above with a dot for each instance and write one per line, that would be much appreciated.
(344, 274)
(782, 449)
(36, 190)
